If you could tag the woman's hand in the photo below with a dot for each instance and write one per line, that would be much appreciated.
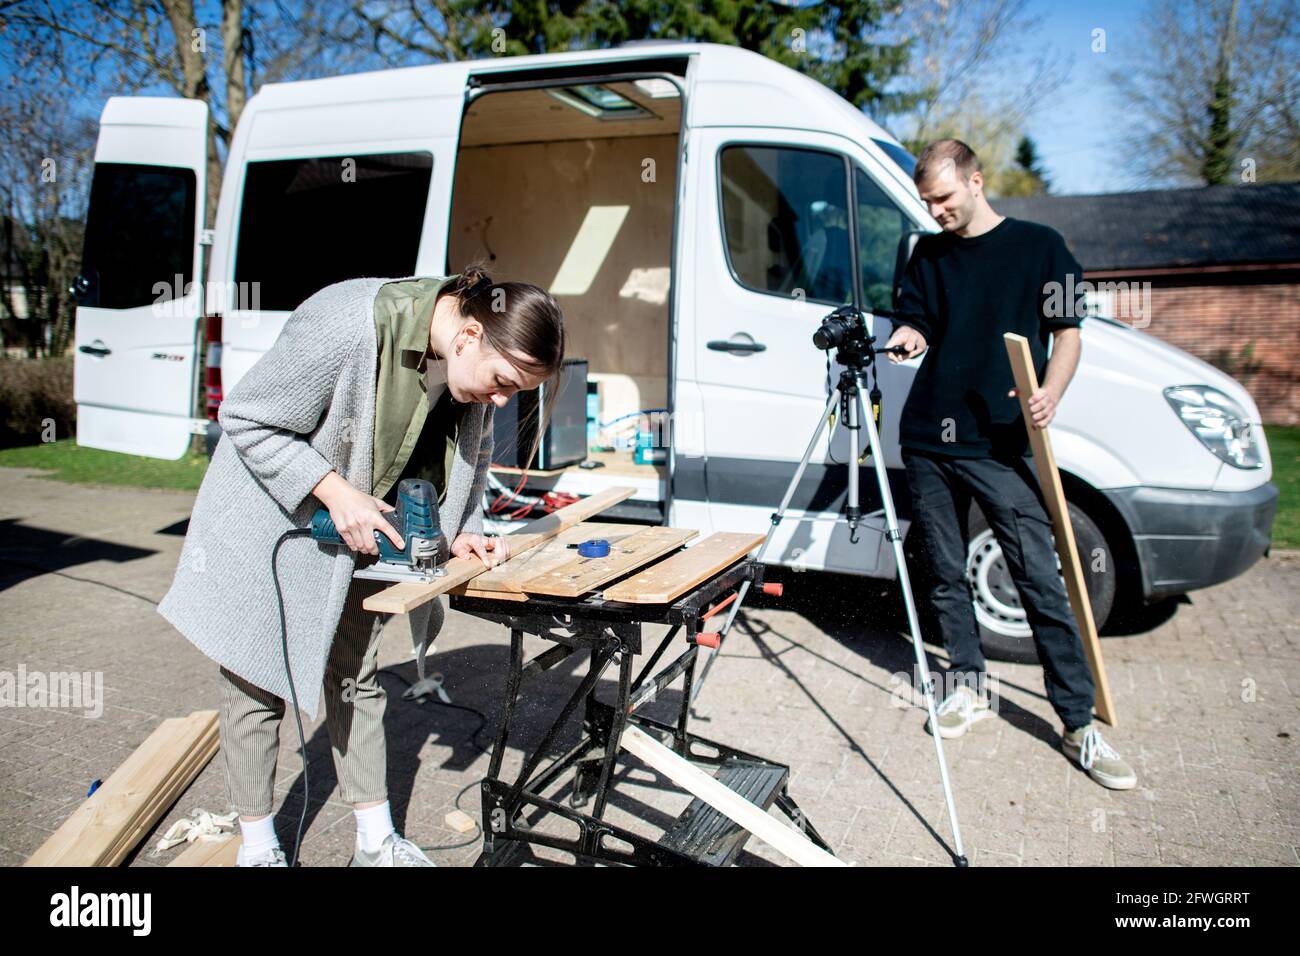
(356, 515)
(491, 551)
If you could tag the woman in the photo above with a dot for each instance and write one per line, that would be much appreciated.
(370, 381)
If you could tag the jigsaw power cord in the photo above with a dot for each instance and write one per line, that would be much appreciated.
(302, 737)
(293, 692)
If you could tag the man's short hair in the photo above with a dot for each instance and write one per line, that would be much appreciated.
(942, 151)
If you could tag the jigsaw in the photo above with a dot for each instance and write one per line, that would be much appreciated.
(416, 519)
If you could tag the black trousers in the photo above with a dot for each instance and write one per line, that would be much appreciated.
(1009, 495)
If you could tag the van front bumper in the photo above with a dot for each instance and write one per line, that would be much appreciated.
(1191, 539)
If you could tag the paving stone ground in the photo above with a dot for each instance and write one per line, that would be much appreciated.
(1207, 702)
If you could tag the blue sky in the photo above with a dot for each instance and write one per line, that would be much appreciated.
(1078, 131)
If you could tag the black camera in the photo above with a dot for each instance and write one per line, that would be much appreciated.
(843, 327)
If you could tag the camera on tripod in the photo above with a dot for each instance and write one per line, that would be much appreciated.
(845, 329)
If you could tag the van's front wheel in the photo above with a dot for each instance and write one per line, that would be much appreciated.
(1004, 629)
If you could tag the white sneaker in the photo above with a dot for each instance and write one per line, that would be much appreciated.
(395, 851)
(1102, 761)
(271, 857)
(963, 707)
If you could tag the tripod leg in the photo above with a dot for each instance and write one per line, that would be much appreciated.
(776, 520)
(896, 538)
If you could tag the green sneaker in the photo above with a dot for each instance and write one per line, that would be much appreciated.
(1086, 748)
(963, 707)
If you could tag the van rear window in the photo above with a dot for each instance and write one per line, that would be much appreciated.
(139, 235)
(308, 223)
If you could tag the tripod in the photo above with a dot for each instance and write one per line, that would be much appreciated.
(845, 330)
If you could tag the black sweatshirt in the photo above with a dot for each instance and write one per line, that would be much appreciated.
(962, 294)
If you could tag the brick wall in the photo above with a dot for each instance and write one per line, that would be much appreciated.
(1246, 323)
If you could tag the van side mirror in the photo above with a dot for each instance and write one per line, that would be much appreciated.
(79, 286)
(906, 243)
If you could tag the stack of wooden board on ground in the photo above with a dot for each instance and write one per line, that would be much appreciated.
(129, 804)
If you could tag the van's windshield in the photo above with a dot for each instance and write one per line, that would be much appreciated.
(901, 157)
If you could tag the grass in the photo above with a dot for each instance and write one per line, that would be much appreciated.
(70, 462)
(1284, 446)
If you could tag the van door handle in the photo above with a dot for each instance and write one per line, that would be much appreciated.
(97, 349)
(727, 345)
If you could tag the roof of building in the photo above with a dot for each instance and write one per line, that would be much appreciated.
(1241, 224)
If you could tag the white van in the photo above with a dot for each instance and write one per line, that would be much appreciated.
(689, 206)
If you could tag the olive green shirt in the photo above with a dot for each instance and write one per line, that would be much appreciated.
(415, 428)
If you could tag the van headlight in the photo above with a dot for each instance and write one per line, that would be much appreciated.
(1219, 422)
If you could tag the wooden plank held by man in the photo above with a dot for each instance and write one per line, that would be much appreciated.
(1022, 367)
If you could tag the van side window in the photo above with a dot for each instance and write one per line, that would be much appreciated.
(881, 225)
(785, 221)
(308, 223)
(139, 235)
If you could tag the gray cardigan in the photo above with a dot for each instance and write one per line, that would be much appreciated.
(305, 408)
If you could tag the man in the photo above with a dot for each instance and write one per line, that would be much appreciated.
(963, 436)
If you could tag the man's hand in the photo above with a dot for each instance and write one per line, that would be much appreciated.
(1066, 348)
(491, 551)
(910, 339)
(1042, 405)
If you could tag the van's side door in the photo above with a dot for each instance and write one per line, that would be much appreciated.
(773, 258)
(139, 295)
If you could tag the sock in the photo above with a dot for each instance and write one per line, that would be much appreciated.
(373, 826)
(259, 836)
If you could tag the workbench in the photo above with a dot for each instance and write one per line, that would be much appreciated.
(600, 605)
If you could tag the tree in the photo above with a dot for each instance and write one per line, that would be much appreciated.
(46, 154)
(1213, 93)
(215, 51)
(1026, 177)
(840, 44)
(962, 51)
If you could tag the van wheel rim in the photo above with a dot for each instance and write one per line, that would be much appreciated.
(993, 593)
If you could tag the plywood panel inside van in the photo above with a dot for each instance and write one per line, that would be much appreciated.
(531, 209)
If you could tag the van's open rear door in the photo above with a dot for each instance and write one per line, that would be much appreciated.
(139, 295)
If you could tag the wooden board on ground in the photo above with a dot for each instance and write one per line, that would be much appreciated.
(220, 851)
(104, 829)
(1049, 479)
(403, 598)
(580, 575)
(672, 577)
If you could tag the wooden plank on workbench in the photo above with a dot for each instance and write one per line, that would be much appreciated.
(510, 576)
(672, 577)
(405, 597)
(580, 575)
